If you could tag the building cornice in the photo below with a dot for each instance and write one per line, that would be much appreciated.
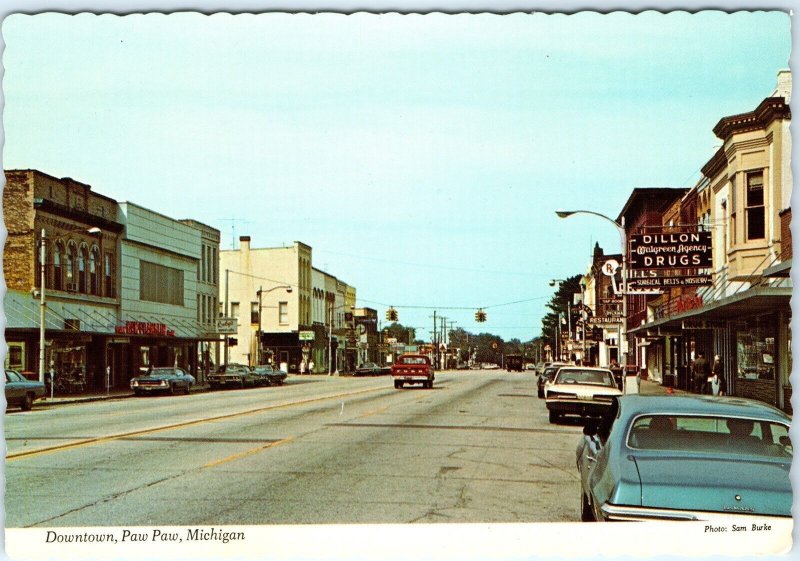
(715, 165)
(771, 109)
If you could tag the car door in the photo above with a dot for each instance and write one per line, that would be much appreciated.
(14, 389)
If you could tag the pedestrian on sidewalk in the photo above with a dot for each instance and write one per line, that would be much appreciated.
(311, 366)
(701, 372)
(716, 383)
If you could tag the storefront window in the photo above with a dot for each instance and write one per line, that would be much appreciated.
(755, 349)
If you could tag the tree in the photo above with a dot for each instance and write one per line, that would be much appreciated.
(403, 334)
(558, 304)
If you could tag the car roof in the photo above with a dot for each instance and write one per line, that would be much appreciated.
(583, 368)
(633, 405)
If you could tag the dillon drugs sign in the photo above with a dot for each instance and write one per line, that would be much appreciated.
(687, 250)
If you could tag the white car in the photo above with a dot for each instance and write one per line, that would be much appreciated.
(576, 390)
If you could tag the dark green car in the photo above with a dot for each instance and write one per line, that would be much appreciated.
(686, 458)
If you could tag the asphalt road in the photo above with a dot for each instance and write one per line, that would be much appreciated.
(476, 448)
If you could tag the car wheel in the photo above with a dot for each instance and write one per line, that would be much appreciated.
(138, 393)
(540, 393)
(186, 389)
(27, 402)
(172, 390)
(214, 386)
(586, 509)
(553, 417)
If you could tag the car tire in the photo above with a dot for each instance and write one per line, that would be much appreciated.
(540, 394)
(214, 386)
(587, 515)
(172, 390)
(186, 389)
(399, 385)
(553, 417)
(27, 402)
(138, 393)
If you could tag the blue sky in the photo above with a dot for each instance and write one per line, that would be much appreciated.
(422, 157)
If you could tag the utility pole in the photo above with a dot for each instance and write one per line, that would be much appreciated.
(435, 343)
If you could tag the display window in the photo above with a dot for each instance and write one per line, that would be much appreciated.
(755, 349)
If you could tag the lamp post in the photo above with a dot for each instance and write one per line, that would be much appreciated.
(553, 282)
(260, 292)
(623, 327)
(42, 301)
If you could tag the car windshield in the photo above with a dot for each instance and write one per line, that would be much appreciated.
(413, 360)
(730, 435)
(12, 376)
(160, 371)
(590, 377)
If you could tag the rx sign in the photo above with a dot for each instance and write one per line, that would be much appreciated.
(610, 267)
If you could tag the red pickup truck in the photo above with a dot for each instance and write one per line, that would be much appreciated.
(412, 369)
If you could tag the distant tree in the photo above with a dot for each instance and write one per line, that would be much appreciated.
(558, 304)
(400, 332)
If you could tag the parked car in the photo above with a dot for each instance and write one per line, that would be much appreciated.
(372, 369)
(690, 457)
(233, 375)
(530, 367)
(22, 392)
(412, 369)
(578, 390)
(547, 375)
(167, 379)
(269, 376)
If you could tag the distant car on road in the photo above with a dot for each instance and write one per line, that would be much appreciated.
(233, 375)
(372, 369)
(412, 369)
(269, 376)
(547, 375)
(168, 379)
(514, 363)
(22, 392)
(578, 390)
(690, 457)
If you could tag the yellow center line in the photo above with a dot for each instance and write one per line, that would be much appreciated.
(103, 439)
(246, 453)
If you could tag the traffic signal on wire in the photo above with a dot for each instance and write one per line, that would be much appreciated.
(391, 314)
(480, 316)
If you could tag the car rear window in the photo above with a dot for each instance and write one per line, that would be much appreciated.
(711, 434)
(591, 377)
(413, 360)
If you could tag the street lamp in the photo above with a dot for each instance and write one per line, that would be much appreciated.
(623, 327)
(260, 292)
(560, 345)
(43, 303)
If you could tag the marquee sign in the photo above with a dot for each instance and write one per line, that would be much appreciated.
(670, 282)
(144, 328)
(681, 250)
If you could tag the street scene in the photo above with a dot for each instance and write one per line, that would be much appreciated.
(400, 272)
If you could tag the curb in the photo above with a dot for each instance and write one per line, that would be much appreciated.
(46, 402)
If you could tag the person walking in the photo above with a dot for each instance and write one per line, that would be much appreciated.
(701, 372)
(311, 366)
(716, 383)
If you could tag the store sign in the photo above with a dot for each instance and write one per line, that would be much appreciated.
(604, 319)
(228, 326)
(686, 250)
(306, 335)
(670, 282)
(144, 328)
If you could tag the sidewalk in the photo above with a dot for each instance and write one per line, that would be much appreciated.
(98, 396)
(649, 387)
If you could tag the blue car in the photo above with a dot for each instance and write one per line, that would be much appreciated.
(685, 458)
(165, 379)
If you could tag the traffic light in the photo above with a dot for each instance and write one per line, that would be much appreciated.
(391, 314)
(480, 316)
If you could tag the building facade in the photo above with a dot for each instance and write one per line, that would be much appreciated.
(290, 315)
(744, 315)
(121, 283)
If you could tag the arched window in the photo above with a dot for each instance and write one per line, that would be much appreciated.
(94, 273)
(69, 266)
(57, 271)
(82, 258)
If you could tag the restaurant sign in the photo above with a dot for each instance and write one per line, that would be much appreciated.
(682, 250)
(144, 328)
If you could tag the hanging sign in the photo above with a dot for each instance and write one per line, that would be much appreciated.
(680, 250)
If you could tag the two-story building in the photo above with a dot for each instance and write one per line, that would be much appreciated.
(273, 296)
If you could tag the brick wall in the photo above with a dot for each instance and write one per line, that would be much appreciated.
(19, 260)
(762, 390)
(786, 234)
